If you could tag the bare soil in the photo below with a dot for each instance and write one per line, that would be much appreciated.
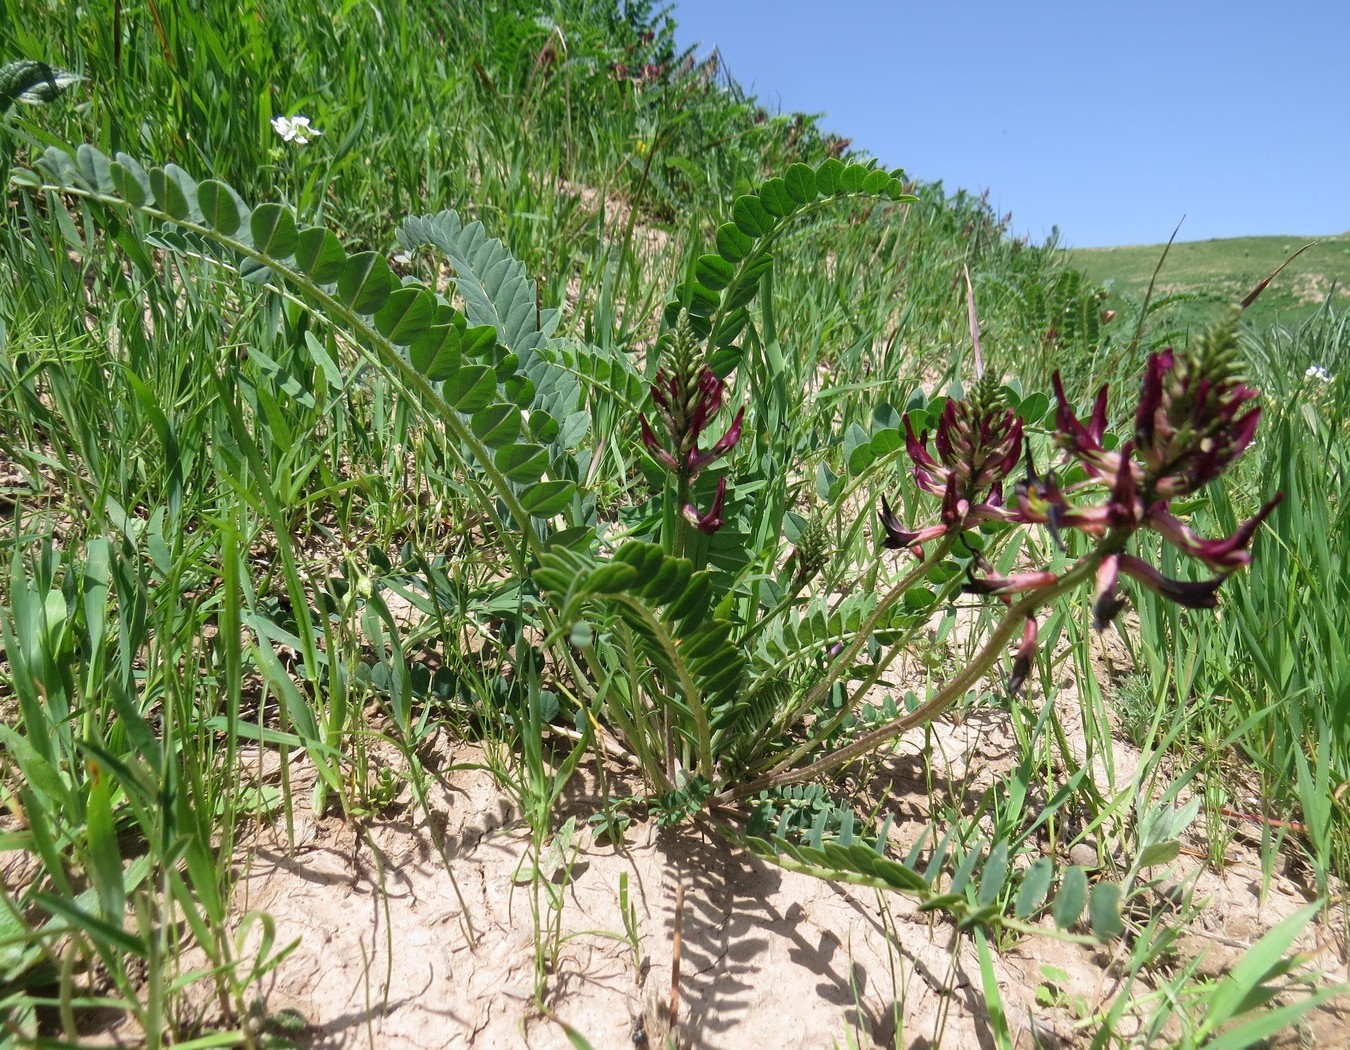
(418, 931)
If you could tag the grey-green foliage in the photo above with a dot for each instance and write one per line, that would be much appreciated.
(497, 292)
(461, 370)
(32, 82)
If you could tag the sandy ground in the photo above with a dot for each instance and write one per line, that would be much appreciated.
(419, 933)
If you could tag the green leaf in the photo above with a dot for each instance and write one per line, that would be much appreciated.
(273, 229)
(776, 199)
(221, 207)
(731, 325)
(547, 498)
(852, 178)
(169, 193)
(1035, 885)
(828, 176)
(105, 860)
(800, 182)
(611, 578)
(406, 315)
(436, 352)
(471, 388)
(732, 244)
(96, 168)
(995, 874)
(751, 217)
(1072, 897)
(365, 282)
(522, 463)
(1104, 911)
(876, 182)
(320, 255)
(496, 425)
(1159, 853)
(33, 82)
(701, 301)
(886, 441)
(713, 271)
(131, 181)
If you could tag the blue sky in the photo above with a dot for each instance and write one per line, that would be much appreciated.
(1109, 121)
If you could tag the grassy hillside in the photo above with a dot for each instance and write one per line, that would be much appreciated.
(550, 458)
(1218, 273)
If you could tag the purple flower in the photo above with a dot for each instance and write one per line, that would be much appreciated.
(711, 521)
(685, 408)
(978, 443)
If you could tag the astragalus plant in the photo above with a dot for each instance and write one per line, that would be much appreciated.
(682, 641)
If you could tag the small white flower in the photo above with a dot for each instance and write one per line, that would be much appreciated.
(295, 129)
(1318, 372)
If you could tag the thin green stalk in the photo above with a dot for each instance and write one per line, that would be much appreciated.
(979, 666)
(845, 659)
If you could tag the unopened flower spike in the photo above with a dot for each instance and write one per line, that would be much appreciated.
(978, 443)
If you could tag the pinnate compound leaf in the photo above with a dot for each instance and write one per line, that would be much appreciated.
(494, 285)
(366, 282)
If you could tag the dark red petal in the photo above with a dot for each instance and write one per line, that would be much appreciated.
(712, 521)
(1107, 603)
(1026, 652)
(1201, 595)
(1097, 426)
(915, 447)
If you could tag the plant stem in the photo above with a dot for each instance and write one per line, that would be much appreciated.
(846, 658)
(1082, 571)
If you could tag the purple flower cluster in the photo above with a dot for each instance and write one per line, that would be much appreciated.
(1194, 419)
(684, 410)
